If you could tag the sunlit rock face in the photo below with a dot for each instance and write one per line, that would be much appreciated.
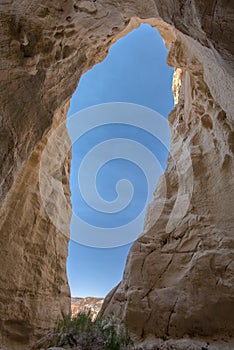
(91, 305)
(179, 276)
(179, 281)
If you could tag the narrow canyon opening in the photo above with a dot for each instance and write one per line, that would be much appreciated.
(177, 287)
(135, 71)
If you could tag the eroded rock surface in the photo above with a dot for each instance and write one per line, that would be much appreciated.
(87, 304)
(34, 289)
(179, 275)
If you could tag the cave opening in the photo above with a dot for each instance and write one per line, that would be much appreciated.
(46, 48)
(135, 72)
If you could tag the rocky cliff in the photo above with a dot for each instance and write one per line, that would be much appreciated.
(87, 304)
(179, 276)
(178, 281)
(34, 290)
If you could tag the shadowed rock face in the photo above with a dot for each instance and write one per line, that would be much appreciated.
(179, 276)
(34, 290)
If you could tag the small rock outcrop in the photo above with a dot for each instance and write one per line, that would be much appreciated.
(87, 304)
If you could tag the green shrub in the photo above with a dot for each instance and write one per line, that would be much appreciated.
(101, 333)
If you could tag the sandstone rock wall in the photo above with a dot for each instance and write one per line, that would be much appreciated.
(34, 290)
(46, 46)
(179, 280)
(179, 272)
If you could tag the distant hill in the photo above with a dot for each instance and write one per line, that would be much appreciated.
(85, 304)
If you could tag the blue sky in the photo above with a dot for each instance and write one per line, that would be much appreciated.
(134, 71)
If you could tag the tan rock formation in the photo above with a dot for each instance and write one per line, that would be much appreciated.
(179, 276)
(87, 304)
(34, 290)
(179, 279)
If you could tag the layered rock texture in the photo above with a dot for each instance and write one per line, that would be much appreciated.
(87, 304)
(178, 281)
(34, 290)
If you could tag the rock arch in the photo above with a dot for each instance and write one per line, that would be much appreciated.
(181, 275)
